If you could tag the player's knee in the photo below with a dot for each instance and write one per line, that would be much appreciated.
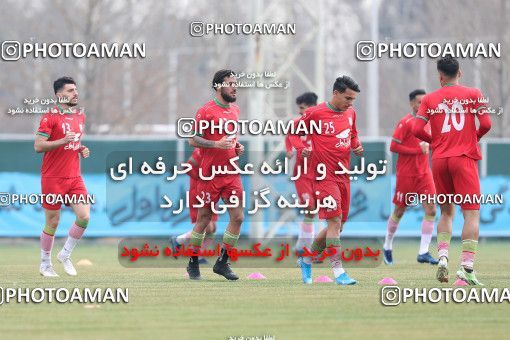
(335, 223)
(446, 216)
(447, 211)
(52, 221)
(83, 217)
(212, 227)
(237, 218)
(399, 212)
(204, 218)
(431, 211)
(471, 216)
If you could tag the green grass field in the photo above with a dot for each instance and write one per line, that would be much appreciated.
(165, 304)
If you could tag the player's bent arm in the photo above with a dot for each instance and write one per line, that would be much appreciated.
(288, 148)
(402, 149)
(192, 161)
(485, 124)
(296, 142)
(42, 144)
(418, 129)
(223, 143)
(355, 142)
(288, 144)
(356, 145)
(192, 143)
(200, 142)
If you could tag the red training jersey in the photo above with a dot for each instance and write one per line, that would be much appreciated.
(415, 162)
(216, 112)
(451, 111)
(333, 145)
(64, 161)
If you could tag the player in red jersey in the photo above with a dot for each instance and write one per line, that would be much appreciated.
(451, 111)
(58, 136)
(217, 149)
(304, 185)
(194, 160)
(413, 177)
(338, 137)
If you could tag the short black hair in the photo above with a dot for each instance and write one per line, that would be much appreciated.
(307, 98)
(61, 82)
(344, 82)
(448, 65)
(415, 93)
(220, 76)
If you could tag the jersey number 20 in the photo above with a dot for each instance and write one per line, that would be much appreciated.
(452, 114)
